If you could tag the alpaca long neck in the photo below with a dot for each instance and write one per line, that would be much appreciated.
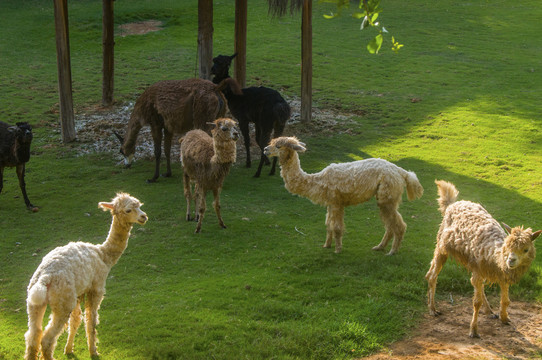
(225, 152)
(116, 241)
(22, 152)
(130, 137)
(296, 180)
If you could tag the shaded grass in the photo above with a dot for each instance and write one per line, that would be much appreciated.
(264, 288)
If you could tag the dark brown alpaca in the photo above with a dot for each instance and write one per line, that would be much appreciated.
(171, 107)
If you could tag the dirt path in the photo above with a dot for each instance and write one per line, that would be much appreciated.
(446, 336)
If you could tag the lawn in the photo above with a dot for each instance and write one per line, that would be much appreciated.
(459, 102)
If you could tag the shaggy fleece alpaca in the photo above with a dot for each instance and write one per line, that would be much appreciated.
(346, 184)
(469, 234)
(76, 273)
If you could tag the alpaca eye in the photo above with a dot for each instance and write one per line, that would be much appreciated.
(526, 250)
(224, 129)
(128, 211)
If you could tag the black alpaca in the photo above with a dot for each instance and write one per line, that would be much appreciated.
(264, 107)
(15, 151)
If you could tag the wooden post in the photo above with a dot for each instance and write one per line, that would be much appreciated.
(205, 38)
(108, 42)
(67, 123)
(306, 62)
(240, 42)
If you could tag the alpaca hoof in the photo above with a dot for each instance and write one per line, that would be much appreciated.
(474, 335)
(392, 252)
(378, 248)
(257, 175)
(151, 181)
(325, 246)
(434, 313)
(338, 251)
(168, 174)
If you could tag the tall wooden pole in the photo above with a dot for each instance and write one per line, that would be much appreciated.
(205, 38)
(240, 42)
(67, 123)
(108, 39)
(306, 62)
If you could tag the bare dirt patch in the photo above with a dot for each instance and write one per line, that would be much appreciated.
(139, 28)
(446, 336)
(95, 127)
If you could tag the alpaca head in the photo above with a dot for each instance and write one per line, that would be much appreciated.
(282, 144)
(23, 133)
(518, 249)
(125, 207)
(125, 150)
(224, 129)
(221, 66)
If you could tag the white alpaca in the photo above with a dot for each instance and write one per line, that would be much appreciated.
(76, 273)
(341, 185)
(469, 234)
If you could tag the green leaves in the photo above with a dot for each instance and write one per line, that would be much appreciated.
(370, 12)
(374, 46)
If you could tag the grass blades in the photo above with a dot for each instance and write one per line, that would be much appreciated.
(458, 102)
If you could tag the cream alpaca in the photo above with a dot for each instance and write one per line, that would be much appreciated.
(76, 273)
(469, 234)
(341, 185)
(206, 162)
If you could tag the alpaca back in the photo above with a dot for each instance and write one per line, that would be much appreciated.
(473, 237)
(75, 267)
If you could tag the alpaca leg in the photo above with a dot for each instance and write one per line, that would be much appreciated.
(243, 124)
(34, 334)
(187, 195)
(216, 206)
(157, 138)
(20, 169)
(335, 227)
(73, 325)
(436, 266)
(329, 237)
(399, 228)
(200, 208)
(92, 304)
(272, 172)
(59, 318)
(167, 152)
(395, 227)
(505, 301)
(477, 302)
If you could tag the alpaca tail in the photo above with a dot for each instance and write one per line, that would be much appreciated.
(448, 195)
(37, 293)
(413, 186)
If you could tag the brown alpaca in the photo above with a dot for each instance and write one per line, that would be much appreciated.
(171, 107)
(206, 162)
(73, 274)
(470, 235)
(346, 184)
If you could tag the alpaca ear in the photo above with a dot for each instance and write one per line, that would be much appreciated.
(212, 125)
(507, 228)
(106, 206)
(535, 235)
(234, 55)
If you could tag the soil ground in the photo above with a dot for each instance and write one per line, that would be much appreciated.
(446, 336)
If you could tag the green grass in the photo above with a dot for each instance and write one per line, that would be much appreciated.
(264, 288)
